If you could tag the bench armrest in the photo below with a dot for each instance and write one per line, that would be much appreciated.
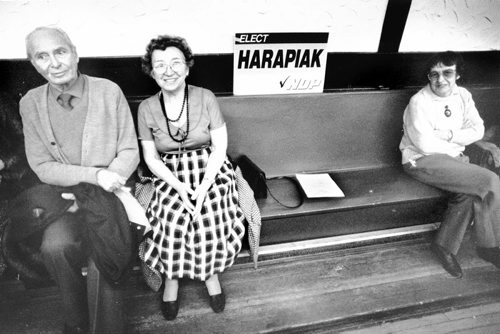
(484, 154)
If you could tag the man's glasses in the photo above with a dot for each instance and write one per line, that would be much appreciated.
(176, 66)
(447, 74)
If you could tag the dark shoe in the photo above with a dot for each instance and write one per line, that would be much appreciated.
(74, 329)
(490, 254)
(217, 302)
(448, 260)
(170, 309)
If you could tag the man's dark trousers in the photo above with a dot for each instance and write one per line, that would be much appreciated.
(96, 301)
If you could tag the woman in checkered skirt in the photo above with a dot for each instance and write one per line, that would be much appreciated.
(196, 223)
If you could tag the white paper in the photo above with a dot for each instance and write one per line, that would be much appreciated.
(135, 211)
(319, 185)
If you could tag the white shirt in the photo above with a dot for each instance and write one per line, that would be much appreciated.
(425, 116)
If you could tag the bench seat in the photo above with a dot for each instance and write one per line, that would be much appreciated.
(353, 135)
(374, 199)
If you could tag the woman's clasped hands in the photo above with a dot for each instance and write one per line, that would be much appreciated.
(193, 199)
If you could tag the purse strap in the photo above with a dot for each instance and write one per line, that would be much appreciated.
(297, 187)
(250, 165)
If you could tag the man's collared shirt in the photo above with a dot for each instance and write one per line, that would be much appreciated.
(76, 90)
(68, 125)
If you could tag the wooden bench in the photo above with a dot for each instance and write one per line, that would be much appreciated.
(353, 136)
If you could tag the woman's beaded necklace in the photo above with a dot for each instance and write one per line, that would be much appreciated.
(185, 102)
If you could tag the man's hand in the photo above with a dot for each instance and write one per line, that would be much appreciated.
(110, 181)
(70, 196)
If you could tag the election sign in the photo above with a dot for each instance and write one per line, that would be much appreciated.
(279, 63)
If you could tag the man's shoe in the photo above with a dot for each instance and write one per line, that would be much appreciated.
(74, 329)
(490, 254)
(169, 309)
(448, 260)
(217, 302)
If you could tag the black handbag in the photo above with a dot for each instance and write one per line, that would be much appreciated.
(256, 179)
(255, 176)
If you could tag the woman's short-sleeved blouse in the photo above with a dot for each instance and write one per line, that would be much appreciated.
(204, 116)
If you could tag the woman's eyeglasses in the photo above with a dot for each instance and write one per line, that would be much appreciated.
(447, 74)
(176, 66)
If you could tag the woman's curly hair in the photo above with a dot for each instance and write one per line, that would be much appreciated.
(161, 43)
(447, 58)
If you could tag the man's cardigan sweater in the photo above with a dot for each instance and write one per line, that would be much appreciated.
(109, 138)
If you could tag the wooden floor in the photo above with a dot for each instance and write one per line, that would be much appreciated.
(396, 287)
(482, 319)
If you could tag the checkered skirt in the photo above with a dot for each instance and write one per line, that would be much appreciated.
(179, 246)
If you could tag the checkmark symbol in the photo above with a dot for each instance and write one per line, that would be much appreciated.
(282, 83)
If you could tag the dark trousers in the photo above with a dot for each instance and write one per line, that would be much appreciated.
(476, 197)
(94, 302)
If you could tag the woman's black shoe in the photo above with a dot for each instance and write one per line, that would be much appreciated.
(448, 261)
(217, 302)
(170, 309)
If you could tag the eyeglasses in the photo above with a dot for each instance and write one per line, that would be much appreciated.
(447, 74)
(176, 66)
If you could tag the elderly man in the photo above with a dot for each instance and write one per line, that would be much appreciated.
(440, 120)
(78, 129)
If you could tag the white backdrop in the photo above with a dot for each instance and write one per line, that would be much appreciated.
(460, 25)
(123, 27)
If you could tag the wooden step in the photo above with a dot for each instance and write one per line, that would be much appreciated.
(474, 319)
(375, 200)
(319, 292)
(341, 242)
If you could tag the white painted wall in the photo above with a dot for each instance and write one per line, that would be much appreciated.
(460, 25)
(124, 27)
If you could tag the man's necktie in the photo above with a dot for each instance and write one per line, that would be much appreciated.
(65, 101)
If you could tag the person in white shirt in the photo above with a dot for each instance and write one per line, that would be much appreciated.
(439, 122)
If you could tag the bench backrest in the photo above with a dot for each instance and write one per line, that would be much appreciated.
(332, 131)
(286, 134)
